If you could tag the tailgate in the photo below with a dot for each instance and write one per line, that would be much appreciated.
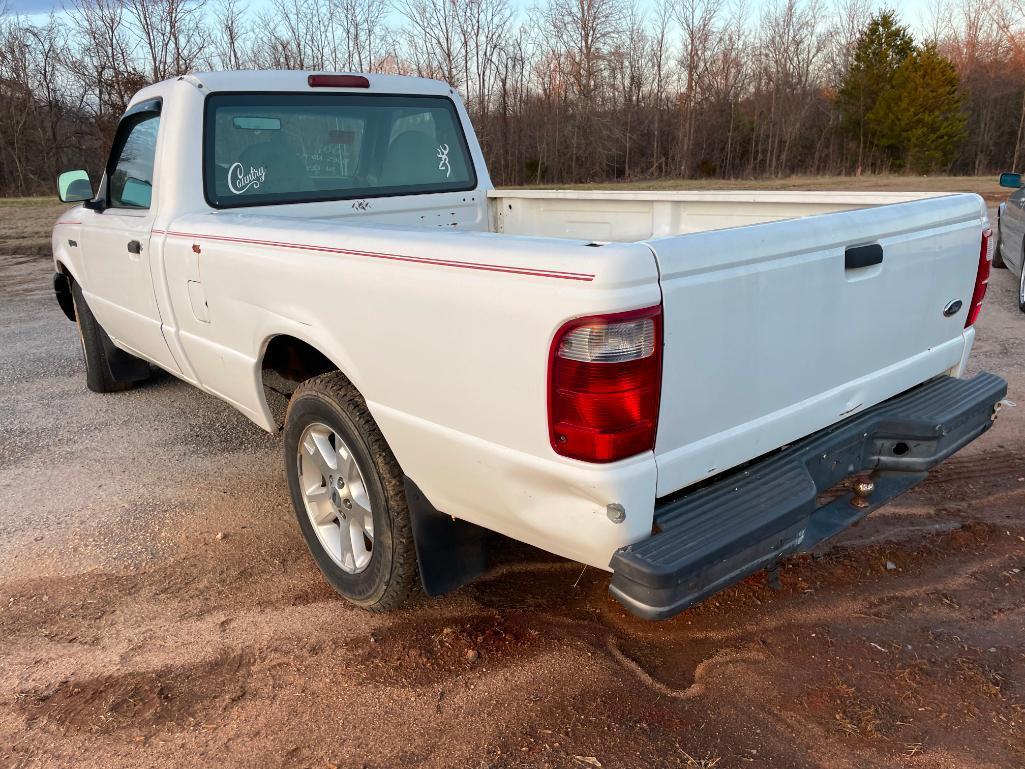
(777, 330)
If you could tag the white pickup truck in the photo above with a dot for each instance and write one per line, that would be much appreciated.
(659, 384)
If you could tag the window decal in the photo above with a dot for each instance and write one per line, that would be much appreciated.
(443, 164)
(240, 181)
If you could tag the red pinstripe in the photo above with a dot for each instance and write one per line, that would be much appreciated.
(558, 274)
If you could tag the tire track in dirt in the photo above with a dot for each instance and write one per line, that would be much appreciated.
(1006, 466)
(147, 700)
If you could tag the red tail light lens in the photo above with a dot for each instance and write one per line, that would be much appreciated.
(604, 378)
(337, 81)
(981, 278)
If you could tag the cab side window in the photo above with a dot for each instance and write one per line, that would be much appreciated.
(131, 175)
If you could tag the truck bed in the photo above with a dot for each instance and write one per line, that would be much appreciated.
(629, 215)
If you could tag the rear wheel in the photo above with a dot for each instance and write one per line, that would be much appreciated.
(998, 259)
(348, 495)
(107, 369)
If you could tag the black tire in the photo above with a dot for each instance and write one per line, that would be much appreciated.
(102, 358)
(391, 577)
(998, 260)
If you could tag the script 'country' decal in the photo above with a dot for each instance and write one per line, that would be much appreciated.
(240, 180)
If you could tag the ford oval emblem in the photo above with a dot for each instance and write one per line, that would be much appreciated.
(952, 308)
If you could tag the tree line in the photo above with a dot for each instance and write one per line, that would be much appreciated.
(567, 90)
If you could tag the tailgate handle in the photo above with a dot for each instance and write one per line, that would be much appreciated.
(862, 256)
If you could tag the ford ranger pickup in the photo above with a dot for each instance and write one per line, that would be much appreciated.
(681, 388)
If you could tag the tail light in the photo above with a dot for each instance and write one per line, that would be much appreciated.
(981, 278)
(604, 378)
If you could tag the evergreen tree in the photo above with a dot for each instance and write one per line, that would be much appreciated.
(921, 117)
(882, 47)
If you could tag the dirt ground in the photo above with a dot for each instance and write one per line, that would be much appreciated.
(158, 607)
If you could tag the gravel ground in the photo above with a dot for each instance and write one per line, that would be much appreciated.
(132, 634)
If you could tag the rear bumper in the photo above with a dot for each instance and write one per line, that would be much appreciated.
(716, 535)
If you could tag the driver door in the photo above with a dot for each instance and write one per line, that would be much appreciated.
(118, 283)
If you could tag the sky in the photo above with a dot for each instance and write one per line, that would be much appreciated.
(913, 12)
(31, 7)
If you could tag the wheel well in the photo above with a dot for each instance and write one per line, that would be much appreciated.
(294, 360)
(287, 362)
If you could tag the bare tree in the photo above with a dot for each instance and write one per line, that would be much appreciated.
(586, 32)
(231, 45)
(433, 40)
(483, 27)
(365, 30)
(791, 48)
(849, 19)
(697, 19)
(1009, 18)
(171, 32)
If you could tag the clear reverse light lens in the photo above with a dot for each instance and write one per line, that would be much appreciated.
(610, 343)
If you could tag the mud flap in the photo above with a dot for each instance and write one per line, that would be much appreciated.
(450, 552)
(124, 367)
(62, 288)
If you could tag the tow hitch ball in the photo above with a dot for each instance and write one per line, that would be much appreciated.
(862, 488)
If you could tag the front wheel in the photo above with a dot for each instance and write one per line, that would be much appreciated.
(348, 495)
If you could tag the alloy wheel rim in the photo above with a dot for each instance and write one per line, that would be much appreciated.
(335, 496)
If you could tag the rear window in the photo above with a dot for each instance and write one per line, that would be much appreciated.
(263, 149)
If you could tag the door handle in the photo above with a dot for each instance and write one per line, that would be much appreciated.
(134, 247)
(862, 256)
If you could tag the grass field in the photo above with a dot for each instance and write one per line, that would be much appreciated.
(25, 225)
(36, 200)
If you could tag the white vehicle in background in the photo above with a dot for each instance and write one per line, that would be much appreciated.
(655, 384)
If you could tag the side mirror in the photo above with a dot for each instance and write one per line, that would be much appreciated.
(74, 187)
(1007, 179)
